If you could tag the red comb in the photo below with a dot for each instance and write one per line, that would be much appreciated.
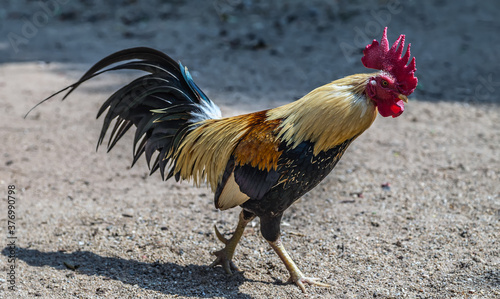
(380, 57)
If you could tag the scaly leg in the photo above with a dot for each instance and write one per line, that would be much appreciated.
(296, 275)
(225, 255)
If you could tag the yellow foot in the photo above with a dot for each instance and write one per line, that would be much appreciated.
(301, 281)
(226, 263)
(225, 255)
(296, 276)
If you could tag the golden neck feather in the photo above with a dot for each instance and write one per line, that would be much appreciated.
(328, 115)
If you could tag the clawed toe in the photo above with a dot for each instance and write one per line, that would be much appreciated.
(224, 261)
(225, 255)
(301, 281)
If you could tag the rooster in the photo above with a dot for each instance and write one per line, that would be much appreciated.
(262, 161)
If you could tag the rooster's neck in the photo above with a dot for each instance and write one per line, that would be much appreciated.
(328, 115)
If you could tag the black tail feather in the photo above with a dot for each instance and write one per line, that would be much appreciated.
(163, 104)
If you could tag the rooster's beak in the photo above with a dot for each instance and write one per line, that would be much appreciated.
(403, 98)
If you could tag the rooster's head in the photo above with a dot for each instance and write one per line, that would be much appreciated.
(389, 88)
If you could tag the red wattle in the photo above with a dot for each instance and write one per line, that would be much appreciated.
(393, 109)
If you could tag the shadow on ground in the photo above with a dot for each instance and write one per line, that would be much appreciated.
(168, 278)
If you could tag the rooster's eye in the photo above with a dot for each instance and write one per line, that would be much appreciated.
(385, 83)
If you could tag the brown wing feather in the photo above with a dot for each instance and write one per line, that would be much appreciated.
(251, 171)
(259, 147)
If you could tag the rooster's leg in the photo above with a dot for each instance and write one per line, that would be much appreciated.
(296, 275)
(225, 255)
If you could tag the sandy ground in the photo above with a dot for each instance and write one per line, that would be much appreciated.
(88, 226)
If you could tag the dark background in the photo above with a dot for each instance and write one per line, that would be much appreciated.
(268, 50)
